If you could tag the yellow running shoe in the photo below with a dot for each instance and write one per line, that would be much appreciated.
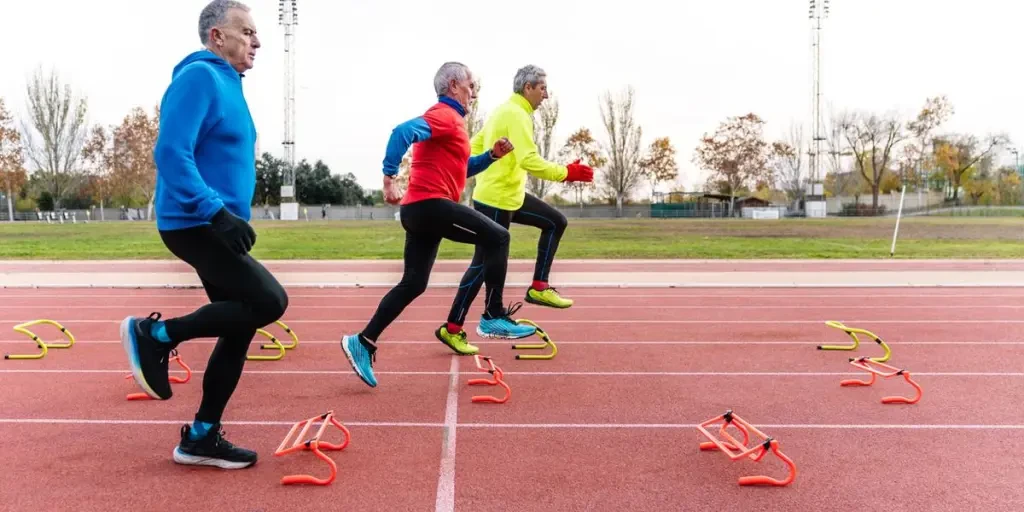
(548, 297)
(456, 342)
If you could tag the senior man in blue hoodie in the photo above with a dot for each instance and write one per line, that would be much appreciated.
(206, 176)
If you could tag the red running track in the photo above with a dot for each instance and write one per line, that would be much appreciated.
(607, 425)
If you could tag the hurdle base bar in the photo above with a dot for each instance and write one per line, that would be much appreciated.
(498, 380)
(864, 363)
(736, 450)
(275, 344)
(548, 344)
(175, 358)
(44, 347)
(315, 445)
(852, 332)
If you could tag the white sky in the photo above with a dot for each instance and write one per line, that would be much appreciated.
(692, 63)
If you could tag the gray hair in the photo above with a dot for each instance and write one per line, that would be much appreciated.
(216, 13)
(446, 73)
(528, 74)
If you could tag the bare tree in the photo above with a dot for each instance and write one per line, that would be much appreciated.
(736, 155)
(786, 162)
(543, 136)
(12, 169)
(873, 140)
(935, 112)
(623, 172)
(59, 119)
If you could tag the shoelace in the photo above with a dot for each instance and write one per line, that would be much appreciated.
(512, 308)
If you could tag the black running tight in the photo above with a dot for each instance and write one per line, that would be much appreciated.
(534, 212)
(244, 297)
(426, 223)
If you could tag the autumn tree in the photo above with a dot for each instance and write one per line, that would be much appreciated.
(135, 139)
(545, 119)
(623, 173)
(956, 154)
(12, 169)
(659, 162)
(100, 159)
(736, 155)
(935, 112)
(581, 146)
(873, 140)
(58, 116)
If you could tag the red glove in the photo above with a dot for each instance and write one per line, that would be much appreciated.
(579, 172)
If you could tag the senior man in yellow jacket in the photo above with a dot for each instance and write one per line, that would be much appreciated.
(500, 194)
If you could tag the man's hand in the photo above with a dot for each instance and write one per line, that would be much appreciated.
(579, 172)
(236, 233)
(501, 148)
(391, 193)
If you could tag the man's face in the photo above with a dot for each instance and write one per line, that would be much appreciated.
(463, 91)
(236, 40)
(536, 93)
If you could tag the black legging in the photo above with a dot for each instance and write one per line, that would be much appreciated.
(244, 297)
(426, 223)
(534, 212)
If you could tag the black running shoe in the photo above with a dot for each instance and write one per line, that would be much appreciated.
(147, 356)
(212, 450)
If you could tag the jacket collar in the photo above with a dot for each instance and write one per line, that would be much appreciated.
(518, 99)
(447, 100)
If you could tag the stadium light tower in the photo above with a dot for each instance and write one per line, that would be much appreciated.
(288, 17)
(815, 204)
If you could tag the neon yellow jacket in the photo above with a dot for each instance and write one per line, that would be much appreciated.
(503, 184)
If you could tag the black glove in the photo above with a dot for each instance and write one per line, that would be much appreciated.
(237, 234)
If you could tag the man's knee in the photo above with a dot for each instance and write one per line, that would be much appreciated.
(560, 222)
(272, 306)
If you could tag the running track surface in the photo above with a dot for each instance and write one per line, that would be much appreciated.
(607, 425)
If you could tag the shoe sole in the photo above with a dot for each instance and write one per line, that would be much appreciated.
(183, 458)
(483, 334)
(128, 342)
(352, 361)
(545, 304)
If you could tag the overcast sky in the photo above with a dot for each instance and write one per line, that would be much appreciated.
(364, 66)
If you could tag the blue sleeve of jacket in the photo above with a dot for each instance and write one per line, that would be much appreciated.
(479, 164)
(183, 112)
(403, 136)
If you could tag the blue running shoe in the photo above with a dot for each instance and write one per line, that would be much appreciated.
(504, 326)
(361, 356)
(147, 357)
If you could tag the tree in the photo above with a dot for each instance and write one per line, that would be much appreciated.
(581, 146)
(474, 122)
(12, 169)
(736, 155)
(936, 111)
(543, 136)
(136, 137)
(786, 163)
(659, 162)
(59, 118)
(956, 154)
(873, 139)
(100, 159)
(623, 172)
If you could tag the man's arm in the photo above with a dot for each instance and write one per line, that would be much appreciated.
(185, 106)
(403, 136)
(519, 134)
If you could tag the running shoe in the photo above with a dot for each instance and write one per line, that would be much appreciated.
(361, 354)
(147, 356)
(503, 326)
(548, 297)
(456, 342)
(211, 450)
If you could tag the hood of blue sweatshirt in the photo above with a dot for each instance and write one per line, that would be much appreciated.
(205, 151)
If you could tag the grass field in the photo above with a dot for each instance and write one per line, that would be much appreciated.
(919, 237)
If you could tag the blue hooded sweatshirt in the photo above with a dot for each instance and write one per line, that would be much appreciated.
(205, 152)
